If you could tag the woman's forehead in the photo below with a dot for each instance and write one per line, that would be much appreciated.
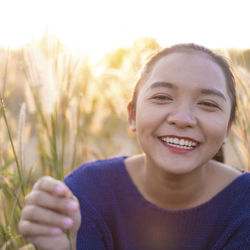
(185, 60)
(190, 67)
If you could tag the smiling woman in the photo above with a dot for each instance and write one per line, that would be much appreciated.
(192, 83)
(174, 195)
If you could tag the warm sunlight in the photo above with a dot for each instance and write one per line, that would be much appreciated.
(68, 96)
(97, 26)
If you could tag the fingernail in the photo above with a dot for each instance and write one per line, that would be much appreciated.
(67, 222)
(56, 230)
(72, 205)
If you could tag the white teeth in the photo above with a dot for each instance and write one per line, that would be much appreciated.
(179, 143)
(182, 142)
(184, 147)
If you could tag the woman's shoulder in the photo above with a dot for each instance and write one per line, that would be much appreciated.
(93, 175)
(225, 177)
(224, 173)
(95, 166)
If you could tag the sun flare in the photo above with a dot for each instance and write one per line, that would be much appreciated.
(95, 27)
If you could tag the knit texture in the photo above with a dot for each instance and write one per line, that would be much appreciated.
(115, 216)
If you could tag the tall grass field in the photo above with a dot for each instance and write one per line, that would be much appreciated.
(58, 110)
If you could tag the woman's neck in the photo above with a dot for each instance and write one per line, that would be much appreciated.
(175, 192)
(172, 191)
(178, 192)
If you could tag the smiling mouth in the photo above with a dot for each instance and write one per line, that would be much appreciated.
(179, 142)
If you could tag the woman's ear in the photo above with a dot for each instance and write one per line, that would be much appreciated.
(131, 116)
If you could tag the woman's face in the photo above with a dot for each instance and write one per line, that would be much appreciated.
(182, 112)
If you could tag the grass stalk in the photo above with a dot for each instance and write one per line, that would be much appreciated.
(12, 146)
(69, 238)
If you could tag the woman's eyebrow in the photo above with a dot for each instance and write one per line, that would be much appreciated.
(214, 92)
(162, 84)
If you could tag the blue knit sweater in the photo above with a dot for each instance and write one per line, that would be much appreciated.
(115, 216)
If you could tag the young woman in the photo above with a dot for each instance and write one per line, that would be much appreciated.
(174, 195)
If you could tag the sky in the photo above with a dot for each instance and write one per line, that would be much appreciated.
(96, 26)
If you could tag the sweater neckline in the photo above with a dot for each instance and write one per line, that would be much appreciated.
(131, 186)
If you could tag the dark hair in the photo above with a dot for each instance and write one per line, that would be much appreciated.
(189, 48)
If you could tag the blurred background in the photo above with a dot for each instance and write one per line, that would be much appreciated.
(67, 70)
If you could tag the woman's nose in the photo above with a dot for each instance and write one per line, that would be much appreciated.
(182, 116)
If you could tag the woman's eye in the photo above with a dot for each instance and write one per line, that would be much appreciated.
(209, 104)
(162, 98)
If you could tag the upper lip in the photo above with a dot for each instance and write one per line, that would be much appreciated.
(180, 137)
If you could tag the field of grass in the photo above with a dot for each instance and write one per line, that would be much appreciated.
(57, 111)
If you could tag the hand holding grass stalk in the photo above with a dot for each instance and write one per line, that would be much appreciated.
(51, 216)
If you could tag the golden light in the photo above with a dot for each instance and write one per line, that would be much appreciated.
(97, 26)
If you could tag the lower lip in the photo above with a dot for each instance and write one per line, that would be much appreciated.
(177, 150)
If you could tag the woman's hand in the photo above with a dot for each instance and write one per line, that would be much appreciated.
(50, 211)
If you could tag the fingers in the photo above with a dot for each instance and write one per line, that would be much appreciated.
(53, 186)
(46, 200)
(48, 211)
(41, 215)
(50, 242)
(31, 228)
